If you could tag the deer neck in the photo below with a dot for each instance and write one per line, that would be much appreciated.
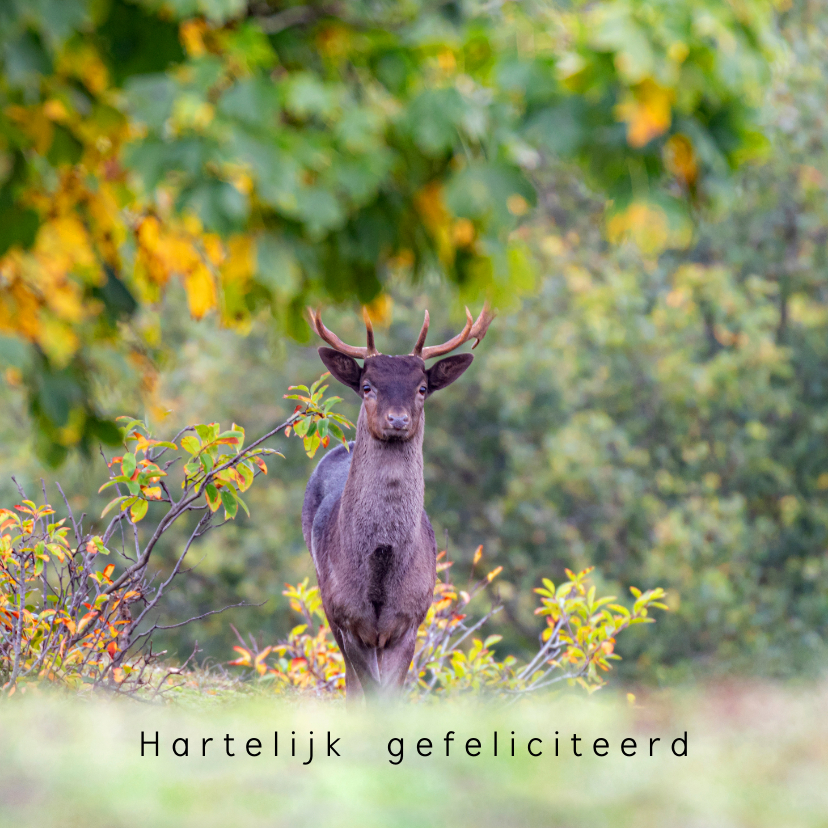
(382, 503)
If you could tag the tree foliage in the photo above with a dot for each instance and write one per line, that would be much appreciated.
(271, 154)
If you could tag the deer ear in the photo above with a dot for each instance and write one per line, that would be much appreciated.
(446, 371)
(343, 368)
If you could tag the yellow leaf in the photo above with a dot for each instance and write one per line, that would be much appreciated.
(648, 227)
(138, 510)
(35, 124)
(647, 109)
(517, 205)
(191, 112)
(381, 309)
(81, 60)
(201, 291)
(54, 110)
(432, 209)
(241, 259)
(191, 34)
(463, 232)
(58, 340)
(680, 159)
(213, 248)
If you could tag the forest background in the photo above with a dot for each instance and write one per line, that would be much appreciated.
(638, 187)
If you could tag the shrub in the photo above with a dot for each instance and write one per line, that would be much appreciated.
(68, 617)
(576, 643)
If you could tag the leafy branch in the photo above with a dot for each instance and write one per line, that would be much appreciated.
(64, 615)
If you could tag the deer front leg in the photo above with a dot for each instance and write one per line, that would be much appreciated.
(395, 659)
(353, 688)
(362, 658)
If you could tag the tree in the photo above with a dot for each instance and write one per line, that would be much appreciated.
(273, 154)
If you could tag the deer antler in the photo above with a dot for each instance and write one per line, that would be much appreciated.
(472, 330)
(337, 344)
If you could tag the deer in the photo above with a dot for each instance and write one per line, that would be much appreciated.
(363, 518)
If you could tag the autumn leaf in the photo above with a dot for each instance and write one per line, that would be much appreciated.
(680, 159)
(647, 110)
(201, 291)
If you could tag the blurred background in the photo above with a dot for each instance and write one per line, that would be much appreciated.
(639, 187)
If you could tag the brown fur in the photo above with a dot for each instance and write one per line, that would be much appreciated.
(364, 522)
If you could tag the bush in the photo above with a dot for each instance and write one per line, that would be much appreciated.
(576, 644)
(67, 617)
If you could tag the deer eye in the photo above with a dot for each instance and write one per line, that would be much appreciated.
(366, 388)
(423, 389)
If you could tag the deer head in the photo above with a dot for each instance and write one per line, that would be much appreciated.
(394, 388)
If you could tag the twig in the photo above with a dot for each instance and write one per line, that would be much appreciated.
(78, 537)
(206, 614)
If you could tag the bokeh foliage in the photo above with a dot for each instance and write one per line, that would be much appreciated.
(270, 154)
(654, 405)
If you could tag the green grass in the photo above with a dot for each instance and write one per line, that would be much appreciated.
(756, 757)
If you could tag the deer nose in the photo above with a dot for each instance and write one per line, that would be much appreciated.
(397, 419)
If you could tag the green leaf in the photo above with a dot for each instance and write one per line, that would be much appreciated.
(231, 504)
(315, 387)
(207, 432)
(242, 504)
(190, 444)
(113, 503)
(251, 101)
(128, 465)
(213, 497)
(115, 480)
(335, 431)
(247, 476)
(138, 510)
(279, 269)
(432, 120)
(18, 226)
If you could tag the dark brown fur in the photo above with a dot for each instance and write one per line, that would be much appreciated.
(364, 522)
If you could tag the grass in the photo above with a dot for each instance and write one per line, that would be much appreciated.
(757, 756)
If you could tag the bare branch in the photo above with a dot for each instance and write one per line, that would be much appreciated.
(206, 615)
